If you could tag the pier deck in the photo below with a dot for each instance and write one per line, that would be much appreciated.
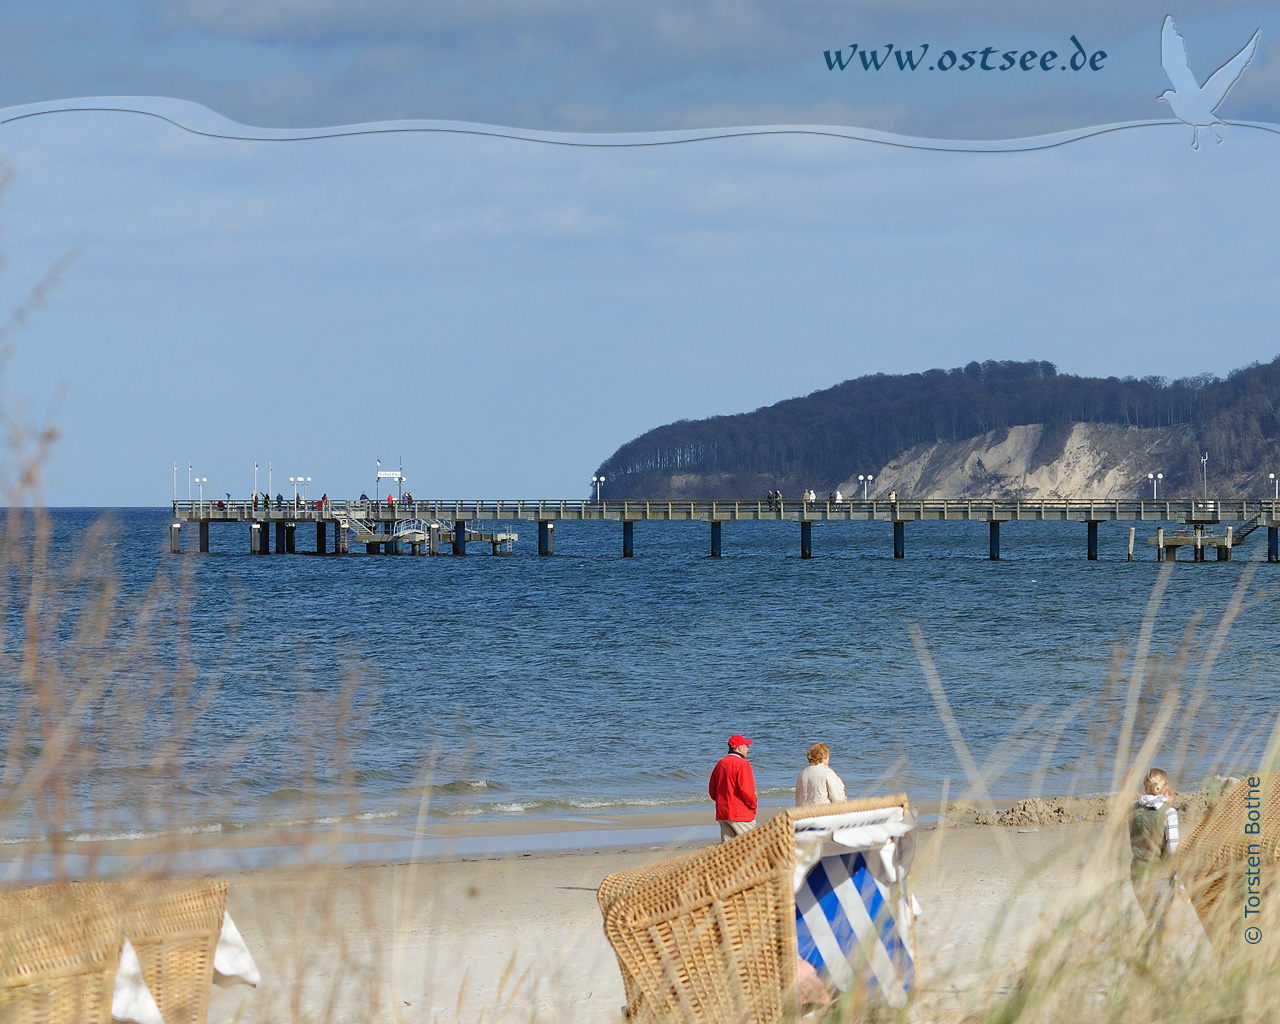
(386, 520)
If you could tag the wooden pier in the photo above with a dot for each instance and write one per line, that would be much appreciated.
(426, 527)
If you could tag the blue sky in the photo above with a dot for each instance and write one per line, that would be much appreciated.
(504, 314)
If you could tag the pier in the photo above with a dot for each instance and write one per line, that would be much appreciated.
(432, 527)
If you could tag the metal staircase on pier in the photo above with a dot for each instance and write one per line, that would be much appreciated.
(1246, 528)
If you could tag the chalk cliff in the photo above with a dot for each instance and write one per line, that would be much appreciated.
(1079, 460)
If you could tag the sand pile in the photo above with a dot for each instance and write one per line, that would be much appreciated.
(1063, 810)
(1058, 810)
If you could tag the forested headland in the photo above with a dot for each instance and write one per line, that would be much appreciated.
(822, 439)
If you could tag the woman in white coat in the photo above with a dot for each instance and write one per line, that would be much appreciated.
(819, 784)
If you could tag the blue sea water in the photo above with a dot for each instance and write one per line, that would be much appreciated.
(388, 688)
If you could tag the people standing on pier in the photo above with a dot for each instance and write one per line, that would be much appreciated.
(1153, 838)
(819, 784)
(733, 788)
(279, 499)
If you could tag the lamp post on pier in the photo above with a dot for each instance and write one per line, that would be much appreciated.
(1155, 479)
(598, 481)
(202, 480)
(295, 481)
(1204, 472)
(864, 480)
(1277, 483)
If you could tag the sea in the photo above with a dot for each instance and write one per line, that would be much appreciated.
(225, 692)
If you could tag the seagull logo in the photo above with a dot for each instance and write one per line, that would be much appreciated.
(1192, 103)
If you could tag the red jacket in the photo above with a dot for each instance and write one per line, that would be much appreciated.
(733, 788)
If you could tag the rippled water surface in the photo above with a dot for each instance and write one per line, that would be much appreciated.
(583, 682)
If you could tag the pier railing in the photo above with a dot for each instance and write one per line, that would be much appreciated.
(1188, 511)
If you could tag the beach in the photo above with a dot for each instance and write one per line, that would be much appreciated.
(518, 936)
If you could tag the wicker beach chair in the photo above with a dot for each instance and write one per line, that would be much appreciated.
(711, 936)
(1229, 863)
(59, 952)
(60, 948)
(174, 927)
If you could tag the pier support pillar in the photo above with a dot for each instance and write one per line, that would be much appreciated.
(994, 546)
(1093, 541)
(715, 538)
(546, 538)
(1133, 532)
(255, 539)
(341, 539)
(460, 537)
(1273, 543)
(175, 539)
(806, 539)
(290, 541)
(204, 537)
(899, 539)
(1224, 553)
(1160, 548)
(322, 539)
(433, 540)
(628, 540)
(280, 545)
(1199, 556)
(371, 549)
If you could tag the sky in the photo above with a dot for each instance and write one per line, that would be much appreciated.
(502, 313)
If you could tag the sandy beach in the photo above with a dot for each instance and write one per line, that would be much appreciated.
(519, 937)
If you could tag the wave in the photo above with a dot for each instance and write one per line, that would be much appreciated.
(567, 804)
(205, 828)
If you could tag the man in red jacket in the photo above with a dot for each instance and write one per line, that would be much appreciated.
(733, 788)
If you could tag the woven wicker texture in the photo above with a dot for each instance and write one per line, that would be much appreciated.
(1214, 860)
(59, 951)
(174, 927)
(710, 937)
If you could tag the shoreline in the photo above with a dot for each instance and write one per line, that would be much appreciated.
(364, 843)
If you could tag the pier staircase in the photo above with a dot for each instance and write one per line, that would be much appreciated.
(1246, 528)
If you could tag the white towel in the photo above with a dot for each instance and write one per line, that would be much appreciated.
(132, 1000)
(232, 962)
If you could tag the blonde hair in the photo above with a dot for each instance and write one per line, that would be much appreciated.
(817, 752)
(1155, 781)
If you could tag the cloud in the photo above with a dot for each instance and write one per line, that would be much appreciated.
(579, 65)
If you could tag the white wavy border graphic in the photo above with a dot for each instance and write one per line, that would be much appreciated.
(201, 120)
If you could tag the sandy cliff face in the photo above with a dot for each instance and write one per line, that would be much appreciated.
(1080, 460)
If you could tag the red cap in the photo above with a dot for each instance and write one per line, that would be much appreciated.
(738, 740)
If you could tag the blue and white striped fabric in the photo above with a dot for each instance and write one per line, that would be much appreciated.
(846, 927)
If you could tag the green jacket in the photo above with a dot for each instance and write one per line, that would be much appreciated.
(1146, 834)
